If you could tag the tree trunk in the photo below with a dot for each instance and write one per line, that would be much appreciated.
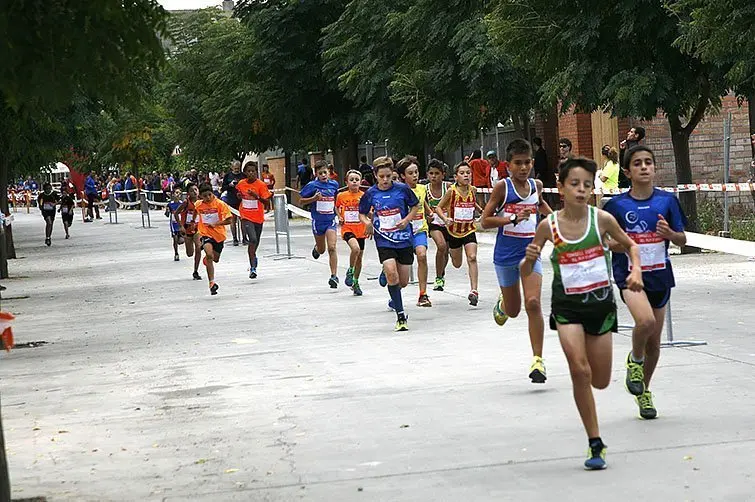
(4, 477)
(7, 249)
(680, 141)
(352, 157)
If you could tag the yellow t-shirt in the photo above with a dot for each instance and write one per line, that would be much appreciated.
(611, 173)
(419, 224)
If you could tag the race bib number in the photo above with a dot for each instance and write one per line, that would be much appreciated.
(389, 219)
(250, 203)
(48, 206)
(464, 212)
(210, 218)
(652, 251)
(351, 216)
(65, 210)
(325, 205)
(524, 229)
(584, 270)
(189, 217)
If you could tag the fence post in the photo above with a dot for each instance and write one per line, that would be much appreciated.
(145, 209)
(280, 208)
(670, 342)
(112, 207)
(727, 165)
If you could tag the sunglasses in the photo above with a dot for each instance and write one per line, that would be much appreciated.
(563, 146)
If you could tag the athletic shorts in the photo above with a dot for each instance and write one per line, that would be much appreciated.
(251, 231)
(594, 322)
(350, 235)
(440, 228)
(175, 229)
(404, 256)
(216, 246)
(48, 214)
(420, 239)
(459, 242)
(67, 218)
(508, 275)
(657, 299)
(319, 227)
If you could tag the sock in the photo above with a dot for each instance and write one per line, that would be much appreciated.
(595, 442)
(398, 302)
(212, 283)
(422, 292)
(638, 360)
(351, 271)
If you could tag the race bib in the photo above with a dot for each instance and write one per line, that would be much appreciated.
(210, 218)
(437, 220)
(389, 219)
(417, 224)
(583, 271)
(48, 206)
(325, 205)
(189, 216)
(65, 210)
(249, 203)
(267, 181)
(464, 212)
(652, 251)
(350, 216)
(524, 229)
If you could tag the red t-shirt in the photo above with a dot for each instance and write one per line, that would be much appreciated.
(480, 172)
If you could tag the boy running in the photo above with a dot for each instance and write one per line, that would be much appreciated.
(652, 218)
(188, 218)
(175, 224)
(582, 306)
(460, 203)
(436, 189)
(321, 193)
(513, 208)
(214, 215)
(352, 228)
(408, 169)
(393, 207)
(67, 205)
(255, 199)
(47, 202)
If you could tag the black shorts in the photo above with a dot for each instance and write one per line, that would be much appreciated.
(404, 256)
(48, 214)
(595, 321)
(216, 246)
(67, 218)
(251, 230)
(440, 228)
(458, 242)
(350, 235)
(657, 299)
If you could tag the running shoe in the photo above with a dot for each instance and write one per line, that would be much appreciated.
(440, 283)
(596, 457)
(333, 281)
(537, 370)
(315, 254)
(356, 289)
(196, 276)
(499, 316)
(235, 242)
(473, 298)
(244, 242)
(635, 380)
(645, 402)
(349, 281)
(424, 301)
(48, 241)
(383, 280)
(214, 289)
(401, 324)
(68, 236)
(253, 273)
(176, 258)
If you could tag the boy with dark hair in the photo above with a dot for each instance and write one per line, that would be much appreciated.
(255, 199)
(214, 215)
(46, 202)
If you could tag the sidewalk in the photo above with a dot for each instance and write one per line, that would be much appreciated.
(282, 389)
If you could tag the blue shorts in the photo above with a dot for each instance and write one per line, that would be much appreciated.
(319, 227)
(420, 239)
(508, 275)
(175, 228)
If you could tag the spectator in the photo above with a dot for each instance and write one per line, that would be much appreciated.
(608, 176)
(480, 175)
(267, 177)
(91, 190)
(543, 172)
(304, 173)
(634, 136)
(67, 187)
(498, 169)
(368, 176)
(230, 196)
(130, 184)
(564, 150)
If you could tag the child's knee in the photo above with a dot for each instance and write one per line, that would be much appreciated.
(581, 373)
(532, 305)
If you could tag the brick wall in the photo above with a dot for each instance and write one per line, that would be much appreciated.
(578, 128)
(546, 127)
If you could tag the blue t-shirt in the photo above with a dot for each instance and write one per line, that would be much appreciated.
(639, 219)
(324, 209)
(391, 206)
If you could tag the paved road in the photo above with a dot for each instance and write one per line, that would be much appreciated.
(282, 389)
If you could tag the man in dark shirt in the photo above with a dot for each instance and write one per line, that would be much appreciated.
(367, 174)
(634, 136)
(542, 171)
(230, 196)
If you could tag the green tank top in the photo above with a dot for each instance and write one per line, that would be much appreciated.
(581, 268)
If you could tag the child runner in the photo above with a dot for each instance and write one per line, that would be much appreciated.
(352, 228)
(652, 218)
(175, 224)
(394, 206)
(188, 217)
(47, 201)
(255, 199)
(436, 189)
(67, 205)
(214, 215)
(408, 169)
(513, 208)
(582, 305)
(321, 192)
(459, 202)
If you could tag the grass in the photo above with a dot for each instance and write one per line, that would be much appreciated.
(710, 218)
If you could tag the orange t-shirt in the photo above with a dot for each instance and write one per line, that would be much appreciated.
(213, 212)
(480, 172)
(347, 204)
(250, 208)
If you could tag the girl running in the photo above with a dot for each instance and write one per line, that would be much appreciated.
(582, 304)
(513, 208)
(175, 224)
(408, 169)
(188, 218)
(393, 207)
(459, 203)
(352, 228)
(47, 202)
(321, 193)
(436, 189)
(652, 218)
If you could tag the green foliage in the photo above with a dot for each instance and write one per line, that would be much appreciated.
(710, 215)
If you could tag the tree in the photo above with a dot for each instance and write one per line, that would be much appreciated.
(621, 60)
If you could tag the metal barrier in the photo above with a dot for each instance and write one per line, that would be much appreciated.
(670, 342)
(112, 209)
(145, 210)
(282, 229)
